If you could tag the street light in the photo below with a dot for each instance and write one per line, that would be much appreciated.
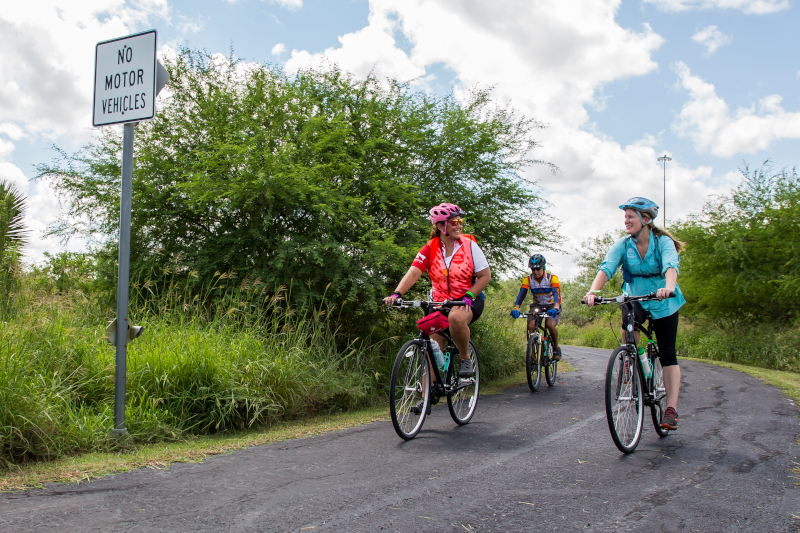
(664, 158)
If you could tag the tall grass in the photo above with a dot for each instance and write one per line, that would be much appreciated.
(225, 355)
(246, 359)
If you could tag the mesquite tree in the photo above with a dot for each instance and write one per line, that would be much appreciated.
(316, 177)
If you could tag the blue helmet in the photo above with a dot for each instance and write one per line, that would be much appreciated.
(537, 260)
(642, 205)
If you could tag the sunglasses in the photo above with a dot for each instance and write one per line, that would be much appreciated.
(537, 268)
(456, 221)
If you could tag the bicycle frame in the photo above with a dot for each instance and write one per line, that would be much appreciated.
(541, 316)
(631, 326)
(442, 385)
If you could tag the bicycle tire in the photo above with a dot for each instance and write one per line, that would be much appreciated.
(551, 368)
(533, 363)
(623, 395)
(410, 384)
(463, 402)
(659, 396)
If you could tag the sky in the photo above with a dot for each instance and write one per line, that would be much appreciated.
(712, 84)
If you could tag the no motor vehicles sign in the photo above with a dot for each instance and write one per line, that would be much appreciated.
(125, 79)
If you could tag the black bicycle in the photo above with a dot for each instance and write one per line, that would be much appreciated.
(539, 352)
(628, 388)
(412, 392)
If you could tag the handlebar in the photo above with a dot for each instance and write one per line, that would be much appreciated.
(404, 304)
(536, 312)
(622, 299)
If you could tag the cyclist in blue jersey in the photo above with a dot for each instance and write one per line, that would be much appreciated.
(546, 292)
(649, 258)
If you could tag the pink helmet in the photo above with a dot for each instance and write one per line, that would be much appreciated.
(444, 211)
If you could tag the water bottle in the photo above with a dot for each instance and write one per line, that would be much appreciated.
(438, 355)
(645, 363)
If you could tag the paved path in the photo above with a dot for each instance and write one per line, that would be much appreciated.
(527, 462)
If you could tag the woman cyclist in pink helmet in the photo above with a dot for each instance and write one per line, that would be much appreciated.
(458, 270)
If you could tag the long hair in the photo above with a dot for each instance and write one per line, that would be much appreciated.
(435, 232)
(680, 246)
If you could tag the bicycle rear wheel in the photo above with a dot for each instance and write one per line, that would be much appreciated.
(533, 363)
(624, 408)
(463, 402)
(410, 387)
(659, 397)
(551, 367)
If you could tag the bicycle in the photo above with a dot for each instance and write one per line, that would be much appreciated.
(625, 395)
(411, 377)
(537, 355)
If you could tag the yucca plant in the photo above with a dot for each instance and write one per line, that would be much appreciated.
(13, 233)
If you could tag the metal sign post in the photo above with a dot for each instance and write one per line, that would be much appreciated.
(127, 78)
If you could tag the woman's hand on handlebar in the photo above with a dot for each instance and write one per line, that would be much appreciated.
(589, 298)
(390, 300)
(665, 292)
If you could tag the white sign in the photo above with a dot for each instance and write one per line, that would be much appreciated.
(125, 79)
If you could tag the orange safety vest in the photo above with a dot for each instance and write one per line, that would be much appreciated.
(452, 283)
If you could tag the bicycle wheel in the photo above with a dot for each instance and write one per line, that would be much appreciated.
(624, 409)
(659, 397)
(551, 367)
(463, 402)
(533, 363)
(410, 386)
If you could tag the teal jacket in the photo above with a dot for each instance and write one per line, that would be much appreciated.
(642, 286)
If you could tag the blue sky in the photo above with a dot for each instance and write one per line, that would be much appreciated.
(711, 83)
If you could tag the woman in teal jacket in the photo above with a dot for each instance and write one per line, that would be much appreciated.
(650, 262)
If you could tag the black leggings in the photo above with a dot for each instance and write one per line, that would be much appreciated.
(665, 328)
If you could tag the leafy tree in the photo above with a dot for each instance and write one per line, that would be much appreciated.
(317, 177)
(742, 259)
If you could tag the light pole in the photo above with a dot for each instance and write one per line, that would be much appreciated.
(664, 159)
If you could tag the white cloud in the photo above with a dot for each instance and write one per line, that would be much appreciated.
(753, 7)
(291, 5)
(13, 131)
(371, 49)
(711, 38)
(707, 120)
(550, 60)
(278, 49)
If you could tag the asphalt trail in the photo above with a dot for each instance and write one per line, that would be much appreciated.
(526, 462)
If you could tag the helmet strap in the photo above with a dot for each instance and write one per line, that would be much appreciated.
(635, 237)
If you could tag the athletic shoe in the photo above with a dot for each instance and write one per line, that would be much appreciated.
(670, 419)
(556, 354)
(466, 368)
(417, 409)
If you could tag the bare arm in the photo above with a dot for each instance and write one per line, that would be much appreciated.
(599, 282)
(672, 281)
(482, 281)
(408, 281)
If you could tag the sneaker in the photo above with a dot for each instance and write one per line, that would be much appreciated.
(556, 354)
(466, 368)
(670, 419)
(417, 409)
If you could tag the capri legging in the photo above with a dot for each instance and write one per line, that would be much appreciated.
(666, 330)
